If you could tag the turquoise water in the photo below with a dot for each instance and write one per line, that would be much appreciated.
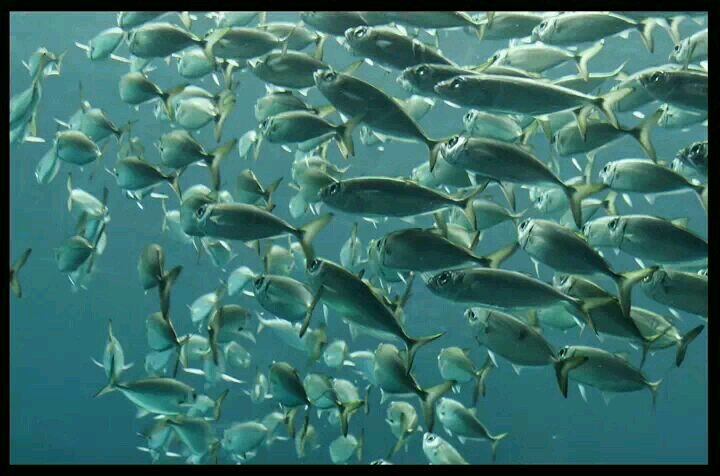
(54, 331)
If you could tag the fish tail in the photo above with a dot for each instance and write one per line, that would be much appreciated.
(582, 308)
(625, 283)
(218, 404)
(606, 104)
(434, 146)
(609, 203)
(218, 155)
(209, 42)
(166, 284)
(494, 442)
(14, 283)
(166, 97)
(481, 376)
(415, 344)
(653, 386)
(270, 190)
(68, 183)
(361, 445)
(674, 28)
(124, 131)
(398, 444)
(702, 191)
(642, 131)
(346, 411)
(290, 420)
(685, 341)
(584, 56)
(562, 371)
(344, 136)
(646, 27)
(576, 194)
(307, 233)
(226, 104)
(467, 204)
(497, 257)
(429, 396)
(174, 182)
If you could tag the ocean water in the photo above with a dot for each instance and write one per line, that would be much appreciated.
(54, 332)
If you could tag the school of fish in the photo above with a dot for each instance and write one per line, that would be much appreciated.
(419, 228)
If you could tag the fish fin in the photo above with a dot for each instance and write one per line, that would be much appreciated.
(517, 368)
(583, 393)
(606, 103)
(308, 232)
(218, 155)
(346, 411)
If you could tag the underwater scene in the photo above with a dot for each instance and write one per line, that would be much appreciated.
(358, 237)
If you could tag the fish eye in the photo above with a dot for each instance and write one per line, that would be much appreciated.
(657, 77)
(378, 244)
(613, 224)
(333, 188)
(524, 224)
(471, 315)
(431, 438)
(564, 279)
(543, 24)
(494, 58)
(329, 76)
(563, 351)
(423, 70)
(453, 141)
(314, 265)
(259, 282)
(677, 48)
(695, 149)
(468, 116)
(194, 396)
(360, 31)
(553, 138)
(456, 83)
(444, 278)
(201, 211)
(605, 169)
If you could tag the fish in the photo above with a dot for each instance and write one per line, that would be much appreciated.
(231, 221)
(388, 47)
(288, 69)
(455, 364)
(686, 89)
(646, 177)
(695, 156)
(158, 395)
(518, 165)
(464, 423)
(539, 57)
(502, 289)
(601, 369)
(343, 448)
(678, 290)
(243, 439)
(694, 48)
(648, 238)
(394, 378)
(439, 451)
(308, 130)
(384, 196)
(151, 269)
(104, 44)
(403, 421)
(357, 303)
(178, 149)
(417, 249)
(19, 263)
(515, 95)
(572, 28)
(355, 97)
(569, 252)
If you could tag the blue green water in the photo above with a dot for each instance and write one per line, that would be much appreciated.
(54, 332)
